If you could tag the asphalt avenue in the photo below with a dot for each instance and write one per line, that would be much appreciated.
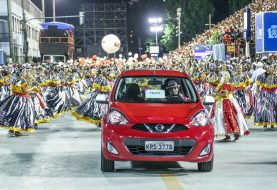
(65, 154)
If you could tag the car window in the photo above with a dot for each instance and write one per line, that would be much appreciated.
(172, 90)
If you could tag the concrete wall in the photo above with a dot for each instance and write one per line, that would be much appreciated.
(4, 8)
(4, 24)
(33, 27)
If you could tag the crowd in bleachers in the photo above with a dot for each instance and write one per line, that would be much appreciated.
(227, 31)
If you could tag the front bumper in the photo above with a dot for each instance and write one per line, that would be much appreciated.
(129, 143)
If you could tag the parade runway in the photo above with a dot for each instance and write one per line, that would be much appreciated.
(65, 154)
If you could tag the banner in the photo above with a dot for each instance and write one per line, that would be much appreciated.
(270, 31)
(2, 57)
(219, 52)
(266, 32)
(202, 51)
(247, 24)
(259, 33)
(230, 48)
(154, 49)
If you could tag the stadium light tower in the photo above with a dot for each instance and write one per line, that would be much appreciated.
(179, 26)
(43, 7)
(157, 20)
(157, 27)
(54, 10)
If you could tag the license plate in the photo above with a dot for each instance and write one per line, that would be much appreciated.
(159, 145)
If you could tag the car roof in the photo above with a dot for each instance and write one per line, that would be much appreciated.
(153, 73)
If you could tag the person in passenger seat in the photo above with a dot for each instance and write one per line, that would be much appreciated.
(133, 93)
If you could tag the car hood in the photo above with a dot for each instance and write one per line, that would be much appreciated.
(157, 110)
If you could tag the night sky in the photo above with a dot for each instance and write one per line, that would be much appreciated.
(139, 9)
(138, 13)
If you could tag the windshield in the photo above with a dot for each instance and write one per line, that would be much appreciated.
(172, 90)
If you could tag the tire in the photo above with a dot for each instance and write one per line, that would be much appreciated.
(106, 165)
(206, 166)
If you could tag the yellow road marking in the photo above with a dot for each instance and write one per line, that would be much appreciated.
(171, 181)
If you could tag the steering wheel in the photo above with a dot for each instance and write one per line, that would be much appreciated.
(174, 99)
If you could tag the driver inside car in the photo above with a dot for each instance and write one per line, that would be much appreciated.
(174, 93)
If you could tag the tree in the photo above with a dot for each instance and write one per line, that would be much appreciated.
(215, 36)
(169, 39)
(193, 19)
(235, 5)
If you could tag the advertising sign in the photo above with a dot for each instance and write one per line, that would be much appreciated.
(202, 51)
(1, 57)
(270, 32)
(266, 32)
(259, 32)
(154, 94)
(247, 24)
(230, 49)
(219, 52)
(154, 49)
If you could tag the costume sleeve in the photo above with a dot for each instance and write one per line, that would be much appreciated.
(226, 87)
(260, 80)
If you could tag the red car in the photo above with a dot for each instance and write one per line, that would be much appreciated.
(156, 115)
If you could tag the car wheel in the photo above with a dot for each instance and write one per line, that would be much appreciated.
(106, 165)
(206, 166)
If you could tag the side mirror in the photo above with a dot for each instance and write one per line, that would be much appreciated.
(208, 101)
(102, 99)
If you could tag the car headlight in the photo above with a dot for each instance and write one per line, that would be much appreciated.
(117, 118)
(200, 119)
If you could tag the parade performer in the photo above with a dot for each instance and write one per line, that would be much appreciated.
(240, 83)
(198, 76)
(88, 77)
(81, 82)
(91, 111)
(41, 114)
(266, 99)
(259, 70)
(17, 110)
(226, 113)
(5, 83)
(73, 96)
(212, 81)
(54, 94)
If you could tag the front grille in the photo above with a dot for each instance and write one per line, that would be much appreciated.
(181, 147)
(139, 150)
(159, 128)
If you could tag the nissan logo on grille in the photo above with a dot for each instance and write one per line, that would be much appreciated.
(159, 127)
